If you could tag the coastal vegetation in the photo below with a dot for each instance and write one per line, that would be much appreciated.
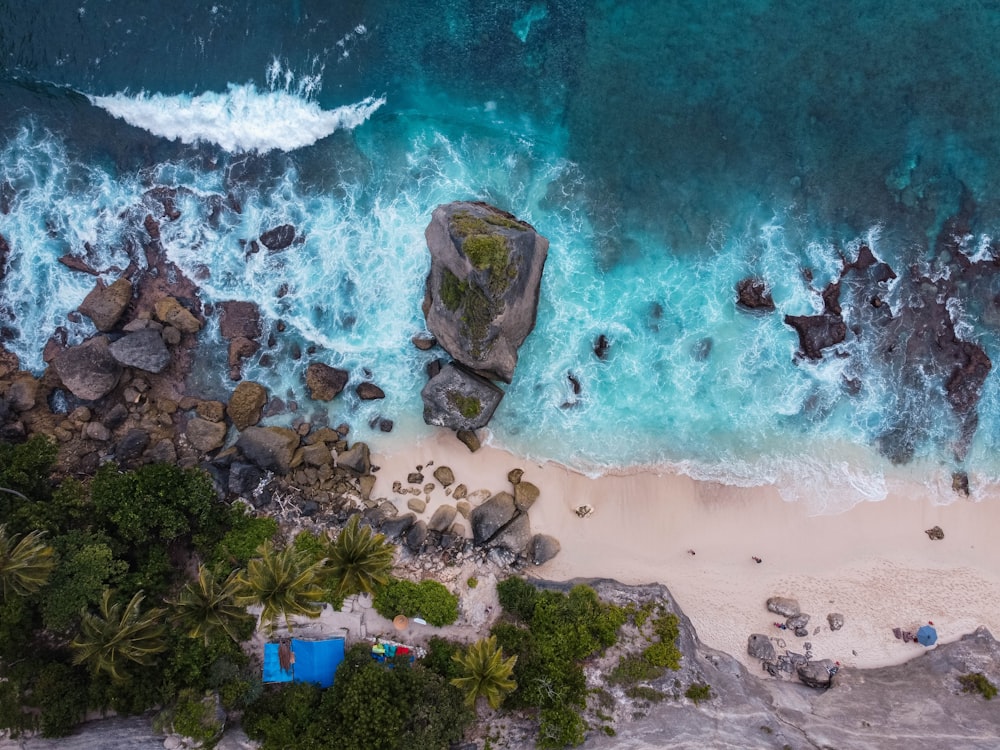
(484, 672)
(551, 634)
(428, 600)
(977, 682)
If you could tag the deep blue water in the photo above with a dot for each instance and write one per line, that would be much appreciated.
(666, 149)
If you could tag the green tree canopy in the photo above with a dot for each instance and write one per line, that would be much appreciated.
(358, 561)
(117, 635)
(25, 563)
(207, 606)
(485, 673)
(284, 582)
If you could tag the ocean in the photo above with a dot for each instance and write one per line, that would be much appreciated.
(666, 148)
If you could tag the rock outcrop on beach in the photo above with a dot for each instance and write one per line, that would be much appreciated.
(482, 291)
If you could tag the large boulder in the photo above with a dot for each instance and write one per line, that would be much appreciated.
(238, 318)
(173, 313)
(783, 605)
(817, 674)
(270, 448)
(278, 238)
(246, 405)
(482, 291)
(543, 548)
(357, 458)
(143, 349)
(106, 304)
(491, 516)
(442, 518)
(515, 536)
(759, 646)
(88, 371)
(459, 399)
(204, 435)
(325, 382)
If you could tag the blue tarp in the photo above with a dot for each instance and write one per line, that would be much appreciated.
(315, 661)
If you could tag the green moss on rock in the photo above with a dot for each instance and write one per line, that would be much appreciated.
(469, 407)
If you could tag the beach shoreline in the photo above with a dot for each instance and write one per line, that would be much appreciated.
(874, 564)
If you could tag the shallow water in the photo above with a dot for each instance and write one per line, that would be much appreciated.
(666, 149)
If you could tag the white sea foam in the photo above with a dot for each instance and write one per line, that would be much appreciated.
(240, 119)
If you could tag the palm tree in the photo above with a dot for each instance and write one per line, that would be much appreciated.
(207, 605)
(25, 565)
(116, 636)
(486, 673)
(358, 561)
(283, 582)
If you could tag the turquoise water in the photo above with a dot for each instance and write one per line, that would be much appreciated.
(666, 149)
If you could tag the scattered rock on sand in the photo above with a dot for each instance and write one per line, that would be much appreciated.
(442, 518)
(444, 475)
(784, 606)
(543, 548)
(525, 495)
(816, 674)
(935, 533)
(759, 646)
(490, 517)
(797, 622)
(836, 620)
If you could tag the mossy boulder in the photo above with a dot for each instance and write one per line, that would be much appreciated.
(482, 291)
(459, 399)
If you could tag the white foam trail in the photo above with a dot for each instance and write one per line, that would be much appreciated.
(241, 119)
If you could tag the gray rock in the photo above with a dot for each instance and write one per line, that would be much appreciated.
(22, 394)
(836, 620)
(394, 528)
(88, 371)
(795, 622)
(516, 535)
(935, 533)
(759, 646)
(442, 518)
(96, 431)
(487, 519)
(316, 455)
(357, 458)
(142, 349)
(244, 478)
(163, 452)
(278, 238)
(783, 606)
(132, 444)
(444, 475)
(501, 556)
(205, 436)
(543, 548)
(486, 266)
(816, 674)
(416, 505)
(459, 399)
(416, 536)
(270, 448)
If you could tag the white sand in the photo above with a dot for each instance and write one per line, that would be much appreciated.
(873, 564)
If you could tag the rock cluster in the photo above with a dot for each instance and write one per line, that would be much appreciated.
(480, 304)
(914, 340)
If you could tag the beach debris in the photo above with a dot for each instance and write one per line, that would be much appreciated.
(784, 606)
(759, 646)
(584, 510)
(935, 533)
(691, 552)
(756, 559)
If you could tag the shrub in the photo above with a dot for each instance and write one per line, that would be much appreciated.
(631, 669)
(518, 598)
(472, 582)
(439, 657)
(427, 599)
(977, 682)
(241, 541)
(698, 692)
(645, 693)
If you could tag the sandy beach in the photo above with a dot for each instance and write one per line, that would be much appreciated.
(873, 564)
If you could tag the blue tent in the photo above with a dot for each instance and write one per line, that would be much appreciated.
(926, 636)
(314, 661)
